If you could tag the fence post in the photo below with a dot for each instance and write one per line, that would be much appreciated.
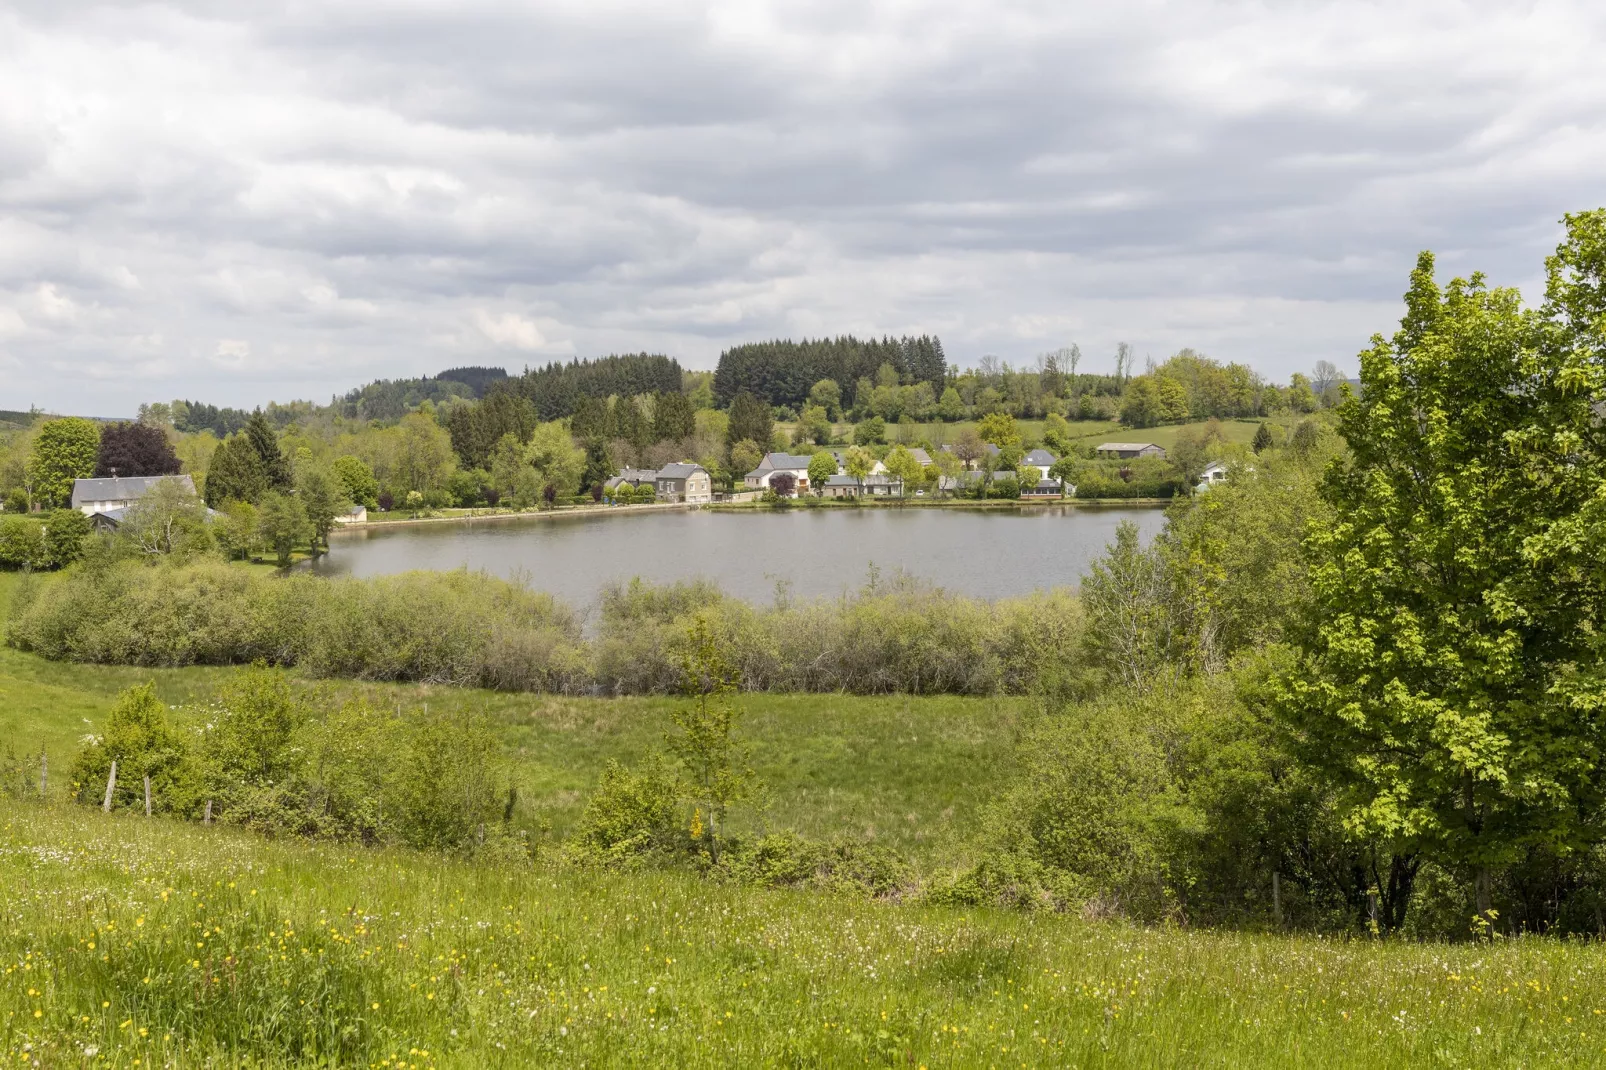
(1277, 898)
(207, 820)
(147, 795)
(44, 771)
(111, 783)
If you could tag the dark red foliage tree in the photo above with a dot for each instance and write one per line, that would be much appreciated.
(135, 450)
(783, 484)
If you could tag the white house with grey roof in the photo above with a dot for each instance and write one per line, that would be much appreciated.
(794, 464)
(110, 497)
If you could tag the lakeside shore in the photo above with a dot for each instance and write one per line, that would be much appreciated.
(472, 516)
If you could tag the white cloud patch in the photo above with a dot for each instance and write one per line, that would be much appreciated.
(367, 190)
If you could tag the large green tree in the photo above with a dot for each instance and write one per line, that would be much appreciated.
(236, 473)
(1450, 675)
(264, 440)
(63, 450)
(751, 419)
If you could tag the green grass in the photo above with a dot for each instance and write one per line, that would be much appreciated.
(178, 945)
(907, 772)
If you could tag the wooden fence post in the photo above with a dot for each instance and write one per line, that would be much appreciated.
(147, 795)
(44, 771)
(208, 819)
(1277, 898)
(111, 784)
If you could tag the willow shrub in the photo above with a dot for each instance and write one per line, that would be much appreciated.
(457, 628)
(902, 637)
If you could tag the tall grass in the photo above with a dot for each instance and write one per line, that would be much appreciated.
(126, 938)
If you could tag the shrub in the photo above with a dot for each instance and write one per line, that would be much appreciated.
(22, 543)
(455, 628)
(143, 742)
(633, 813)
(786, 859)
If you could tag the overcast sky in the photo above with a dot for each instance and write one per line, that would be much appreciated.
(235, 202)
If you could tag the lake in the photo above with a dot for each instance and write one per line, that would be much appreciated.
(987, 553)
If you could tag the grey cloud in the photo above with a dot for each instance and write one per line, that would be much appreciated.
(350, 190)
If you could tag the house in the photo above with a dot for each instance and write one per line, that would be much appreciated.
(842, 463)
(1126, 450)
(1047, 487)
(881, 485)
(794, 464)
(1215, 472)
(357, 514)
(963, 481)
(634, 476)
(684, 482)
(106, 496)
(992, 450)
(1040, 459)
(920, 455)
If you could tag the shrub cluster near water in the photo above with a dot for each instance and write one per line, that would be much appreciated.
(472, 630)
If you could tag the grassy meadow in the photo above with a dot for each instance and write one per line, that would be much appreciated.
(135, 942)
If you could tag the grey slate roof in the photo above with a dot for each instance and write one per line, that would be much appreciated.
(126, 488)
(679, 470)
(1039, 458)
(1127, 447)
(632, 475)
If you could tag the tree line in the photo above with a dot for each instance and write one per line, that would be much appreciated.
(782, 372)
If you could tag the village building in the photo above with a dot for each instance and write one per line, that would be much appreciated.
(684, 482)
(106, 501)
(1127, 450)
(794, 464)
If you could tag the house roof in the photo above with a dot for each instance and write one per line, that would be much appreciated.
(1126, 447)
(920, 455)
(680, 470)
(1039, 458)
(632, 475)
(776, 461)
(123, 489)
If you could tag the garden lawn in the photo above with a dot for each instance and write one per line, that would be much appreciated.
(127, 939)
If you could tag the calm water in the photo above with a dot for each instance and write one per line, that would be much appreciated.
(987, 553)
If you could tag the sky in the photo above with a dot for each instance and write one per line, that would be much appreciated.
(241, 202)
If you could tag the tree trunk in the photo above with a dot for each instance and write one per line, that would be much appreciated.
(147, 796)
(111, 785)
(1482, 885)
(207, 820)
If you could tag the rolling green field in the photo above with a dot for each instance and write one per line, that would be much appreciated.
(135, 942)
(907, 772)
(1090, 432)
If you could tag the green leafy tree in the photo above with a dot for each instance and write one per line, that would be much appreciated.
(143, 741)
(870, 431)
(827, 394)
(999, 429)
(599, 467)
(750, 419)
(745, 456)
(813, 426)
(358, 480)
(948, 467)
(283, 525)
(859, 464)
(822, 466)
(65, 532)
(275, 465)
(236, 531)
(1450, 675)
(951, 407)
(554, 458)
(236, 473)
(424, 457)
(322, 495)
(713, 760)
(901, 463)
(1263, 439)
(63, 450)
(168, 519)
(673, 418)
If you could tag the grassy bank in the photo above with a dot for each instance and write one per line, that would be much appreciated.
(909, 772)
(127, 939)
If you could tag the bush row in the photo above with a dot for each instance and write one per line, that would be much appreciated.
(468, 629)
